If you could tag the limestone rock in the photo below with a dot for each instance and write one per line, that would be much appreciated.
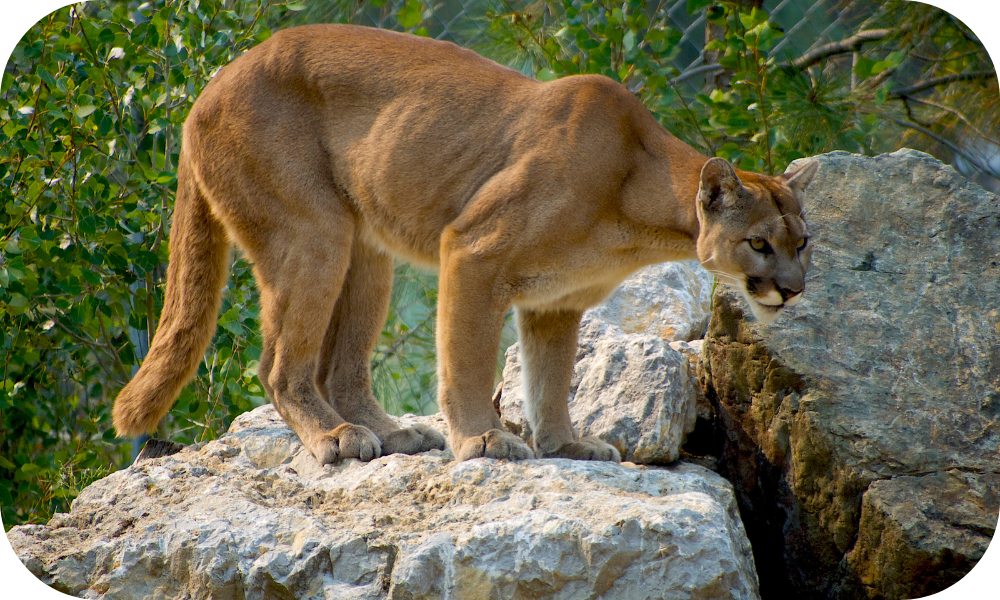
(670, 300)
(889, 368)
(920, 534)
(252, 515)
(694, 352)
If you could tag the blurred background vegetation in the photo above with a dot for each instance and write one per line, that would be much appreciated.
(93, 99)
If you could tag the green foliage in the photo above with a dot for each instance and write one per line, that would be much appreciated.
(92, 105)
(411, 16)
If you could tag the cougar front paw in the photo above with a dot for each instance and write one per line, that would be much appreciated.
(347, 441)
(412, 440)
(495, 443)
(587, 448)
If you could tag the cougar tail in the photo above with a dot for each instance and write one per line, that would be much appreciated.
(199, 257)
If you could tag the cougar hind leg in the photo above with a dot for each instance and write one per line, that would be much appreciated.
(344, 372)
(301, 261)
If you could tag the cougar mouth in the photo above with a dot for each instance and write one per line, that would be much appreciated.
(765, 308)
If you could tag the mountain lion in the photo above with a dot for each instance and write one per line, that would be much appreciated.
(329, 149)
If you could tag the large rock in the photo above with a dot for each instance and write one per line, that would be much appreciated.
(881, 386)
(917, 533)
(671, 300)
(629, 386)
(252, 515)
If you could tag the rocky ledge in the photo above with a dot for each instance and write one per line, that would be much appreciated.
(252, 515)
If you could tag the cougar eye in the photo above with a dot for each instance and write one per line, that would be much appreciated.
(760, 245)
(803, 244)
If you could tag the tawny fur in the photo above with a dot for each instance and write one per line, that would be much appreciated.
(329, 149)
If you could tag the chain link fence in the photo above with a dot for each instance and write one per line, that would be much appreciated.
(807, 24)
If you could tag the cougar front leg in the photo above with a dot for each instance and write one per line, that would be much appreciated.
(471, 307)
(298, 291)
(548, 348)
(344, 375)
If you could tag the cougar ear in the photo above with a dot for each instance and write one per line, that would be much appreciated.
(799, 179)
(718, 180)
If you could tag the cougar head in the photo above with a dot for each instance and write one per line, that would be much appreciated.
(753, 233)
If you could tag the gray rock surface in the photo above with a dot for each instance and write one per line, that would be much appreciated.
(252, 515)
(917, 532)
(629, 386)
(670, 300)
(888, 369)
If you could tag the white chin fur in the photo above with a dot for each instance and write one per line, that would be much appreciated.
(773, 298)
(765, 313)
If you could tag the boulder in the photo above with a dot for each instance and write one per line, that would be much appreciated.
(252, 515)
(880, 388)
(672, 301)
(629, 386)
(917, 533)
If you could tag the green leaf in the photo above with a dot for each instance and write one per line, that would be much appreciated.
(296, 6)
(655, 35)
(262, 35)
(85, 111)
(754, 18)
(716, 15)
(233, 327)
(17, 304)
(88, 225)
(410, 14)
(146, 260)
(7, 81)
(879, 66)
(230, 316)
(546, 75)
(863, 67)
(656, 82)
(47, 77)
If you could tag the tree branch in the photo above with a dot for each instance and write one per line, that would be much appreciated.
(689, 74)
(391, 351)
(961, 117)
(931, 83)
(951, 145)
(844, 46)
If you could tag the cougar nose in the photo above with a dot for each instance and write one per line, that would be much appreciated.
(791, 297)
